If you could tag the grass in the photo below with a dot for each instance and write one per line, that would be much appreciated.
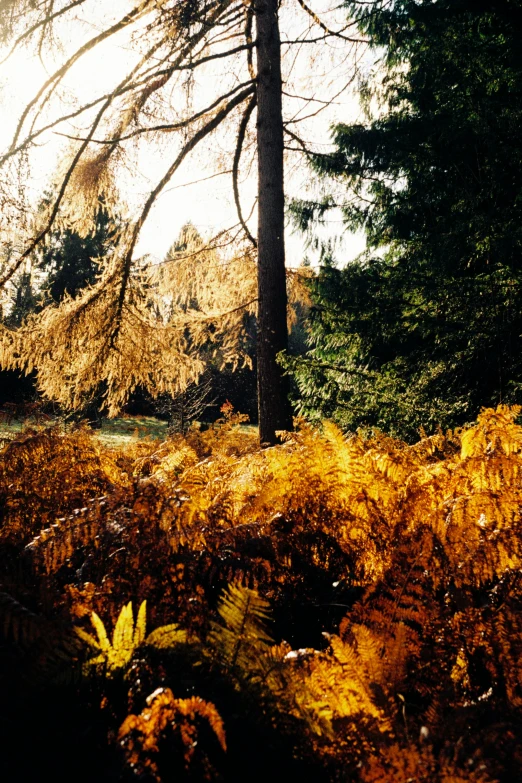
(113, 433)
(117, 432)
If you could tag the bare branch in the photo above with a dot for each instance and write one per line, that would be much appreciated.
(153, 73)
(324, 27)
(165, 126)
(248, 37)
(323, 104)
(65, 181)
(299, 141)
(235, 168)
(58, 75)
(42, 23)
(188, 147)
(218, 56)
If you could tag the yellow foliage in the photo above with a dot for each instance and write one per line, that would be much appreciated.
(401, 764)
(422, 544)
(49, 474)
(127, 636)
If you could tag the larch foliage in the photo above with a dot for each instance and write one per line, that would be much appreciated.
(173, 319)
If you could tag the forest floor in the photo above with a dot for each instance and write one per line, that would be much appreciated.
(114, 433)
(331, 609)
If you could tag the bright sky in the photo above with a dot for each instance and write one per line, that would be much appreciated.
(208, 203)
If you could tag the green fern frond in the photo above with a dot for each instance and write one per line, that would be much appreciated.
(126, 637)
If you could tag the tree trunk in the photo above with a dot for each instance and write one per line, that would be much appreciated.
(274, 408)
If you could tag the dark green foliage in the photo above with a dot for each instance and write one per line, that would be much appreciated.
(65, 265)
(69, 260)
(427, 331)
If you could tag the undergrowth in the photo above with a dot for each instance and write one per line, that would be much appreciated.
(337, 609)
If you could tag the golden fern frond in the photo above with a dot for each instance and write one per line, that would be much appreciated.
(127, 636)
(495, 431)
(333, 695)
(398, 764)
(103, 640)
(140, 629)
(241, 638)
(145, 736)
(47, 476)
(123, 634)
(166, 636)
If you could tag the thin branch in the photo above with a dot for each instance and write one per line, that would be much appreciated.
(323, 104)
(305, 98)
(196, 63)
(187, 48)
(324, 27)
(177, 66)
(301, 143)
(235, 167)
(248, 37)
(41, 23)
(60, 73)
(198, 181)
(76, 113)
(212, 316)
(63, 187)
(210, 126)
(319, 39)
(164, 126)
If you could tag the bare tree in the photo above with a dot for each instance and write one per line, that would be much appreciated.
(113, 333)
(188, 406)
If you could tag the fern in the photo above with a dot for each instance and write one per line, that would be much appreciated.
(17, 622)
(142, 736)
(127, 636)
(407, 557)
(241, 638)
(398, 764)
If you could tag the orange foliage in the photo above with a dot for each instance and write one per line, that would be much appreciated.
(142, 735)
(419, 547)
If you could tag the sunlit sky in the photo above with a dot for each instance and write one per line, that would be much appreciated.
(196, 194)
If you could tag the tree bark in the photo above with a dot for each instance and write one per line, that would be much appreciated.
(272, 332)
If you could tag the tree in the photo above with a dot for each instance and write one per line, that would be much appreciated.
(427, 329)
(68, 261)
(170, 39)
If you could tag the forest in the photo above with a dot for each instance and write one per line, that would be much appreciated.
(261, 391)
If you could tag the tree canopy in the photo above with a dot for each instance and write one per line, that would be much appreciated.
(235, 48)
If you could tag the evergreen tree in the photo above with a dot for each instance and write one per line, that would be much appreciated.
(63, 266)
(69, 260)
(428, 329)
